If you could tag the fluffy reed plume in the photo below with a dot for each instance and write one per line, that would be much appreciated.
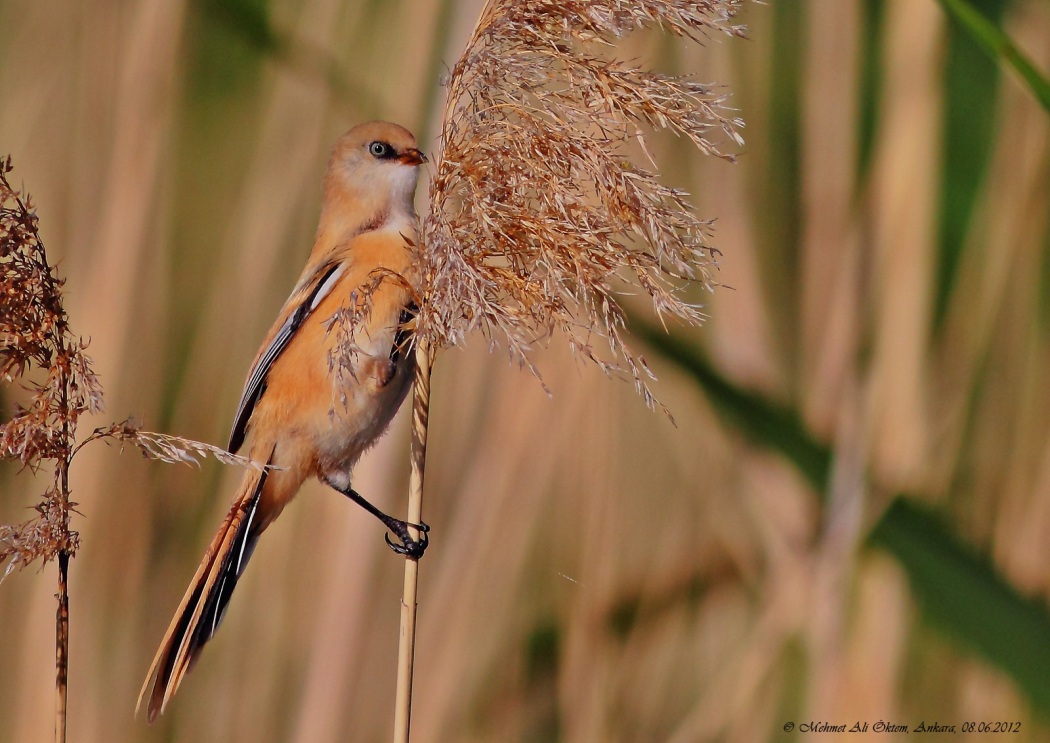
(539, 218)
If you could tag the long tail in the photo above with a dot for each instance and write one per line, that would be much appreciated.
(204, 604)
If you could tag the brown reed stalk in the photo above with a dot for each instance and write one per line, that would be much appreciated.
(407, 638)
(38, 348)
(540, 218)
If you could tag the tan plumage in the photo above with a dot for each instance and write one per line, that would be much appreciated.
(305, 419)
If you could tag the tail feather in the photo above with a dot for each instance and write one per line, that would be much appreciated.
(205, 602)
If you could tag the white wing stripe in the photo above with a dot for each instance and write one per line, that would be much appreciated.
(326, 288)
(247, 531)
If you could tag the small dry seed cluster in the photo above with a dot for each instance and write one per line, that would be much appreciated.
(38, 350)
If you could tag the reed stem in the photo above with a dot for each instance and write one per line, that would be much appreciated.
(407, 642)
(61, 647)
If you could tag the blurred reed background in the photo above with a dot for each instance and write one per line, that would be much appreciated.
(596, 573)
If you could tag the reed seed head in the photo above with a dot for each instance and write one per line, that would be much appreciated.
(38, 350)
(539, 218)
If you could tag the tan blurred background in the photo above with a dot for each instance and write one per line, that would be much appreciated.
(596, 573)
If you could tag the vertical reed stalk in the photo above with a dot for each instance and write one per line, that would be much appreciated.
(407, 643)
(61, 647)
(62, 612)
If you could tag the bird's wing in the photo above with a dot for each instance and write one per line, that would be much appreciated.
(304, 300)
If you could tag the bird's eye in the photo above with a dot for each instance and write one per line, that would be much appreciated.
(380, 149)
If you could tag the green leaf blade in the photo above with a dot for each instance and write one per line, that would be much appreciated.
(960, 591)
(999, 46)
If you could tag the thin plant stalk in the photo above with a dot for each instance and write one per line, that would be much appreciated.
(61, 647)
(407, 641)
(62, 611)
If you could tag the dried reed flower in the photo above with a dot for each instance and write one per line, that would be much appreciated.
(165, 447)
(35, 334)
(34, 331)
(539, 218)
(344, 324)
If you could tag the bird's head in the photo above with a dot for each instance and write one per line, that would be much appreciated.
(375, 166)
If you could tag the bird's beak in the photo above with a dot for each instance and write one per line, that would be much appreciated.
(412, 156)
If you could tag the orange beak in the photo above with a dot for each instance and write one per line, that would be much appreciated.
(412, 156)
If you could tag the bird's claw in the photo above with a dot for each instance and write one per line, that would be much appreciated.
(409, 547)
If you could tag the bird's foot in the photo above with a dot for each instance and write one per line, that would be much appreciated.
(409, 547)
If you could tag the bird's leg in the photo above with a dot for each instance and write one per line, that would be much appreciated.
(409, 546)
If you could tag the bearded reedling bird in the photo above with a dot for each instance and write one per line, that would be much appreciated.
(306, 419)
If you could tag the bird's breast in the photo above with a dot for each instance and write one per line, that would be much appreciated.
(339, 382)
(360, 409)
